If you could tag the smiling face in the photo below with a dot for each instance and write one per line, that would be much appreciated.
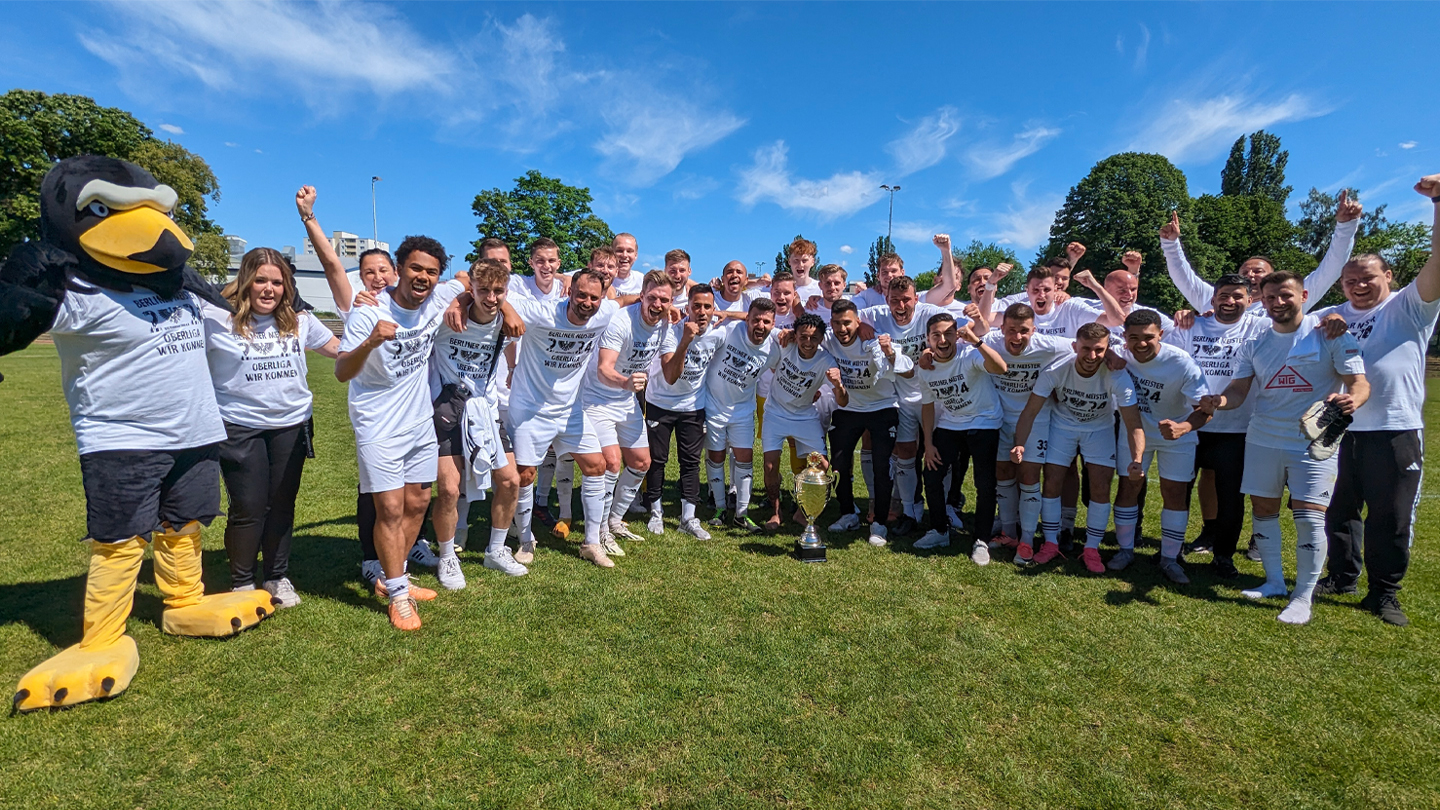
(733, 278)
(758, 324)
(545, 262)
(488, 297)
(585, 296)
(1230, 303)
(902, 304)
(605, 265)
(679, 272)
(800, 263)
(626, 249)
(783, 294)
(418, 277)
(377, 273)
(807, 340)
(1089, 354)
(1284, 302)
(1365, 283)
(832, 287)
(1124, 286)
(267, 290)
(1255, 269)
(887, 271)
(942, 338)
(655, 302)
(978, 280)
(1143, 341)
(846, 327)
(1018, 332)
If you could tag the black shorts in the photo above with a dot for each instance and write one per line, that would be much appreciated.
(130, 493)
(450, 424)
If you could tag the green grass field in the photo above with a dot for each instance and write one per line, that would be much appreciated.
(717, 674)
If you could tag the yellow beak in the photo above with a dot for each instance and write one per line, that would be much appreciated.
(121, 239)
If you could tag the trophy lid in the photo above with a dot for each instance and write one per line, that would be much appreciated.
(814, 471)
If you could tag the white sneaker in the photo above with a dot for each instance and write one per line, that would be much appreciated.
(693, 528)
(526, 554)
(451, 577)
(980, 554)
(421, 555)
(846, 523)
(656, 523)
(933, 539)
(619, 529)
(609, 546)
(878, 535)
(239, 588)
(504, 562)
(283, 591)
(371, 570)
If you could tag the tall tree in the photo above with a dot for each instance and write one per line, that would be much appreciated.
(540, 206)
(988, 254)
(880, 247)
(1260, 172)
(1238, 227)
(1119, 206)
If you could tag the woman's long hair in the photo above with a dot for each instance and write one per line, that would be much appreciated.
(237, 292)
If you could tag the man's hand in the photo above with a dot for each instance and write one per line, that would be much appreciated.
(926, 360)
(942, 241)
(1085, 279)
(1171, 430)
(690, 331)
(1171, 229)
(1074, 251)
(1429, 185)
(1333, 325)
(964, 333)
(383, 331)
(510, 324)
(972, 311)
(1114, 361)
(1132, 261)
(1348, 210)
(674, 314)
(813, 301)
(833, 375)
(1017, 454)
(1135, 471)
(1210, 403)
(365, 298)
(305, 201)
(1059, 297)
(1000, 271)
(1184, 318)
(1345, 402)
(457, 313)
(887, 348)
(867, 332)
(635, 382)
(932, 457)
(785, 336)
(860, 287)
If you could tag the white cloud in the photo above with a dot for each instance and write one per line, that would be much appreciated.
(924, 146)
(1198, 129)
(690, 187)
(992, 161)
(651, 136)
(922, 232)
(1026, 223)
(1408, 145)
(1142, 48)
(172, 129)
(846, 249)
(842, 194)
(232, 144)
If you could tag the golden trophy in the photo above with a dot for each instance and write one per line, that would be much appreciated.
(812, 490)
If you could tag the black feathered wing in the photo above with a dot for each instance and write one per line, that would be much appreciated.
(32, 287)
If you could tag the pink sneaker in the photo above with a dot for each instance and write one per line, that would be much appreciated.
(1006, 540)
(1091, 558)
(1024, 553)
(1047, 552)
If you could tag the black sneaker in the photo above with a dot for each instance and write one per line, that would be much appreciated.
(1329, 586)
(730, 501)
(1325, 424)
(1224, 568)
(1066, 541)
(1253, 553)
(904, 527)
(1201, 545)
(1387, 605)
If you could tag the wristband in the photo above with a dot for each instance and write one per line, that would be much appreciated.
(1435, 199)
(989, 287)
(307, 217)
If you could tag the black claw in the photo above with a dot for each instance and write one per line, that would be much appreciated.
(260, 611)
(274, 601)
(235, 623)
(20, 697)
(107, 684)
(59, 696)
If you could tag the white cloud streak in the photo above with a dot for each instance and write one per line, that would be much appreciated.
(925, 145)
(922, 232)
(1408, 144)
(649, 141)
(768, 179)
(1143, 48)
(1026, 223)
(846, 249)
(987, 162)
(1199, 129)
(172, 129)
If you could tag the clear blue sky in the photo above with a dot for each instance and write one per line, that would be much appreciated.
(727, 129)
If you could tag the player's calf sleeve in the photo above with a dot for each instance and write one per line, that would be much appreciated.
(626, 488)
(1267, 539)
(905, 481)
(524, 511)
(744, 482)
(1029, 512)
(1097, 516)
(867, 472)
(611, 480)
(715, 474)
(592, 501)
(1173, 523)
(1049, 520)
(564, 485)
(1125, 519)
(1008, 502)
(545, 476)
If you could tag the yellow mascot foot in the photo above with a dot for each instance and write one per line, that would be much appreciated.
(78, 674)
(218, 615)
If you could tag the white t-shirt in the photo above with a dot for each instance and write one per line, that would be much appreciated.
(553, 357)
(1022, 370)
(785, 321)
(260, 382)
(465, 359)
(956, 306)
(823, 310)
(797, 379)
(1167, 387)
(1084, 403)
(688, 392)
(134, 371)
(1393, 336)
(630, 285)
(1198, 292)
(868, 377)
(391, 394)
(1063, 320)
(908, 340)
(525, 286)
(868, 297)
(735, 371)
(962, 391)
(741, 304)
(802, 292)
(638, 345)
(1117, 333)
(1292, 371)
(1215, 348)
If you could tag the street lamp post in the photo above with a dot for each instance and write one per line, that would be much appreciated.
(890, 226)
(374, 217)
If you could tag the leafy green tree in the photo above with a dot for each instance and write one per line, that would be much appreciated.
(1317, 221)
(1405, 245)
(190, 176)
(211, 258)
(880, 247)
(988, 254)
(1258, 173)
(1238, 227)
(1119, 206)
(540, 206)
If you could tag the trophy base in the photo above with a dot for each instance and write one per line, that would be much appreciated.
(809, 554)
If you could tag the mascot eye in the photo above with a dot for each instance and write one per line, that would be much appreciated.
(99, 209)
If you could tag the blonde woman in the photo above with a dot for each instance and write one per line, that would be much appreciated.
(257, 365)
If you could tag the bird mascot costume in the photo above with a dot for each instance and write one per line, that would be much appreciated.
(108, 280)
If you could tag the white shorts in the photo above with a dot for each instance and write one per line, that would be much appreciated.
(826, 406)
(1035, 446)
(725, 432)
(1096, 444)
(908, 429)
(619, 423)
(411, 457)
(1177, 461)
(1269, 472)
(805, 430)
(533, 437)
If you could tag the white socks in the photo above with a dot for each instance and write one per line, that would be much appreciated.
(1029, 512)
(1267, 539)
(905, 481)
(398, 587)
(1097, 516)
(1007, 497)
(1125, 519)
(592, 501)
(744, 480)
(1049, 520)
(867, 471)
(524, 511)
(626, 488)
(612, 479)
(1067, 518)
(497, 541)
(564, 485)
(687, 510)
(715, 472)
(545, 475)
(447, 548)
(1310, 550)
(1173, 523)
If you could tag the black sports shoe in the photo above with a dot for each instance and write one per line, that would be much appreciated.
(1224, 568)
(1253, 553)
(1066, 541)
(904, 527)
(1330, 587)
(1387, 605)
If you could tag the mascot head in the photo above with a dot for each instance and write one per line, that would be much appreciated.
(115, 219)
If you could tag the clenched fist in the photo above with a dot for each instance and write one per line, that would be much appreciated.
(383, 331)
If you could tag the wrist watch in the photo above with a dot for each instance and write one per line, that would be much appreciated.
(991, 287)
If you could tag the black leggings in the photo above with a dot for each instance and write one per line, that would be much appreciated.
(846, 428)
(262, 470)
(689, 430)
(1224, 454)
(979, 445)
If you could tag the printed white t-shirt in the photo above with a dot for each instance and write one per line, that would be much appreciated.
(134, 371)
(688, 391)
(797, 379)
(1084, 403)
(1215, 348)
(525, 286)
(782, 321)
(630, 285)
(1022, 370)
(638, 344)
(868, 377)
(1167, 387)
(465, 359)
(735, 371)
(1292, 371)
(908, 340)
(1063, 320)
(260, 381)
(553, 357)
(1393, 336)
(962, 391)
(391, 394)
(1117, 333)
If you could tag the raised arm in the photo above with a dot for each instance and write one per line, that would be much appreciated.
(1113, 311)
(335, 274)
(1197, 291)
(1347, 222)
(994, 363)
(945, 284)
(1427, 283)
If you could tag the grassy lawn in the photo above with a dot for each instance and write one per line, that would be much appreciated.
(717, 674)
